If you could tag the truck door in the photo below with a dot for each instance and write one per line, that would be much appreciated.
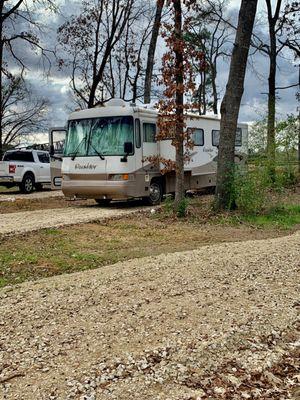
(57, 137)
(44, 167)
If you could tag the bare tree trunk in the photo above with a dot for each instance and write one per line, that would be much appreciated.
(272, 110)
(97, 79)
(1, 83)
(299, 138)
(271, 145)
(179, 185)
(231, 104)
(214, 88)
(151, 51)
(204, 93)
(119, 19)
(199, 97)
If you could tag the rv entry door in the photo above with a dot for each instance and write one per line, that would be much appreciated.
(57, 137)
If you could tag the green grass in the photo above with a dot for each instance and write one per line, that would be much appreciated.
(282, 217)
(52, 251)
(4, 189)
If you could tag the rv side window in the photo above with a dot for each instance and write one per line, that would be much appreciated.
(149, 132)
(137, 133)
(216, 137)
(197, 136)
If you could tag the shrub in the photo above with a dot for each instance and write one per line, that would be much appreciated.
(285, 178)
(182, 208)
(168, 207)
(250, 190)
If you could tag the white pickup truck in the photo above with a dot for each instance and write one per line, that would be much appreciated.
(27, 169)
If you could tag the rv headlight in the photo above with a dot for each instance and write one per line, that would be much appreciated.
(122, 177)
(116, 177)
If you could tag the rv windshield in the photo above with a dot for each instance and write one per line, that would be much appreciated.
(105, 136)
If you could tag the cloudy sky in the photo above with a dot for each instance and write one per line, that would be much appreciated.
(56, 86)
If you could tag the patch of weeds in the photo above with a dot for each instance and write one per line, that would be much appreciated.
(283, 217)
(285, 178)
(251, 190)
(20, 257)
(85, 257)
(182, 208)
(168, 207)
(6, 257)
(3, 282)
(52, 232)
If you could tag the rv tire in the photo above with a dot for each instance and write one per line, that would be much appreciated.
(156, 193)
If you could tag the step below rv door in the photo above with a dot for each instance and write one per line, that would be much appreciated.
(57, 138)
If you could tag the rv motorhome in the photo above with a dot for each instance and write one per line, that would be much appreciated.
(107, 149)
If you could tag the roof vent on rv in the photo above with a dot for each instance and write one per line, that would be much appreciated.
(115, 103)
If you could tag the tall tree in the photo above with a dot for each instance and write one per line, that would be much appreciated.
(128, 59)
(18, 24)
(177, 77)
(273, 51)
(151, 50)
(282, 33)
(210, 33)
(106, 43)
(231, 104)
(22, 112)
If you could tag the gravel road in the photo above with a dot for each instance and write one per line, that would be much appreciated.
(13, 196)
(157, 328)
(26, 221)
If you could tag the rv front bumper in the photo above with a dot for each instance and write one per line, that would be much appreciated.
(99, 189)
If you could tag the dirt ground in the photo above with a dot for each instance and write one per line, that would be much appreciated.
(12, 202)
(192, 310)
(215, 323)
(96, 244)
(32, 220)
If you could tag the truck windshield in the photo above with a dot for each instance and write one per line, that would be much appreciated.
(105, 136)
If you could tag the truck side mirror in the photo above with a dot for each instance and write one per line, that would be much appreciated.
(128, 148)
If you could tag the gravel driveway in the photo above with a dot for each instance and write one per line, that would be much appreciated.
(13, 196)
(26, 221)
(156, 328)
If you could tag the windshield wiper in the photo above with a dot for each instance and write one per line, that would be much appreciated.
(97, 152)
(77, 148)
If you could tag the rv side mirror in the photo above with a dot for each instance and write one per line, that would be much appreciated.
(128, 148)
(51, 150)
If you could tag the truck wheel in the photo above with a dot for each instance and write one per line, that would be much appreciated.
(155, 194)
(27, 184)
(103, 202)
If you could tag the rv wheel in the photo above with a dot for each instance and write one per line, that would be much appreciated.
(103, 202)
(155, 193)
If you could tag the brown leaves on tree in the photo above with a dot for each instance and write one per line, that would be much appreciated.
(171, 123)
